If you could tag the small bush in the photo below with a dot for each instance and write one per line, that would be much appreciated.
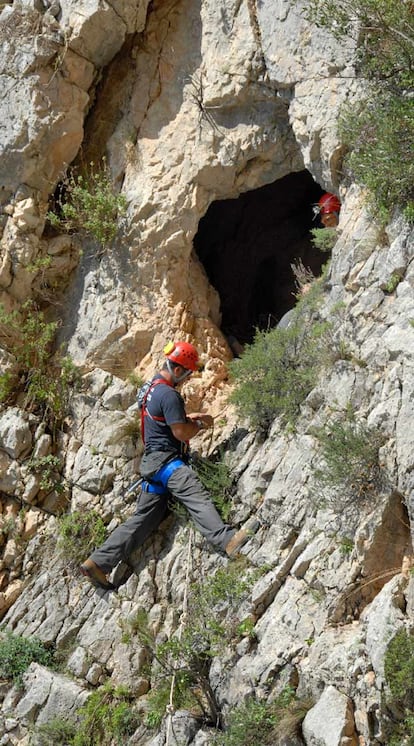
(47, 382)
(324, 239)
(210, 623)
(58, 731)
(350, 466)
(399, 674)
(278, 370)
(399, 668)
(382, 30)
(17, 653)
(216, 477)
(263, 722)
(79, 534)
(380, 137)
(393, 282)
(107, 717)
(89, 204)
(48, 468)
(380, 134)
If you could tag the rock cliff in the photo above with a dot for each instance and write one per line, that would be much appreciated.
(195, 103)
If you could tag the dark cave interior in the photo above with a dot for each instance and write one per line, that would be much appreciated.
(247, 246)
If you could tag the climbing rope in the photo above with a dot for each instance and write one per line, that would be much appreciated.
(183, 621)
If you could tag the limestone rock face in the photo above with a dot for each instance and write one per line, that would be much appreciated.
(191, 102)
(208, 103)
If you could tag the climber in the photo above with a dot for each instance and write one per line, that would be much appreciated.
(166, 430)
(328, 208)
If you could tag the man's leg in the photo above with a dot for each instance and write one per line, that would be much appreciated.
(187, 488)
(151, 509)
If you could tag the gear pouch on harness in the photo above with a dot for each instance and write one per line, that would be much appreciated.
(142, 394)
(153, 462)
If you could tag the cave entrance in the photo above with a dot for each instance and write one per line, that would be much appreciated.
(247, 246)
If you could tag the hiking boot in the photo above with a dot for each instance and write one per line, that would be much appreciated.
(90, 570)
(241, 536)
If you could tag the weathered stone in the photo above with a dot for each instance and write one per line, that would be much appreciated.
(15, 435)
(330, 722)
(48, 695)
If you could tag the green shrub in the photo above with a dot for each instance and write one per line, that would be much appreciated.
(349, 467)
(58, 731)
(262, 722)
(17, 653)
(278, 370)
(79, 533)
(324, 239)
(399, 668)
(108, 717)
(346, 546)
(399, 675)
(380, 134)
(89, 204)
(382, 30)
(47, 382)
(48, 468)
(211, 622)
(380, 137)
(393, 282)
(216, 477)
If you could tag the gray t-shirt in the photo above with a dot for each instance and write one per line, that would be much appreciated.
(164, 407)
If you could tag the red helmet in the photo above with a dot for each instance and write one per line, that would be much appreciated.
(182, 353)
(329, 203)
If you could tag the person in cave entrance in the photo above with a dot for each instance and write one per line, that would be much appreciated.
(166, 430)
(328, 209)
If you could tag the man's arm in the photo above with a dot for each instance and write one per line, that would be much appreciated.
(195, 423)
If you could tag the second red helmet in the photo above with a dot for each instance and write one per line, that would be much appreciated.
(329, 203)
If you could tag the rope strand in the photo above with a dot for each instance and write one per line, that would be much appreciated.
(183, 620)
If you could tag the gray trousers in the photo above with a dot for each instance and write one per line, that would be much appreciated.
(151, 508)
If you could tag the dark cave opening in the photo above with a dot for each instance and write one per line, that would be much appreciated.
(247, 246)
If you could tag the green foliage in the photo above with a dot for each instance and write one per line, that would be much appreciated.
(79, 534)
(216, 477)
(58, 731)
(393, 282)
(135, 380)
(246, 628)
(41, 263)
(346, 546)
(403, 732)
(382, 29)
(380, 135)
(350, 466)
(278, 370)
(263, 722)
(399, 674)
(210, 623)
(17, 653)
(90, 205)
(7, 386)
(48, 468)
(399, 668)
(106, 718)
(28, 336)
(324, 239)
(380, 138)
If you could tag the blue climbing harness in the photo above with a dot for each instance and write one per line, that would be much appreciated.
(159, 480)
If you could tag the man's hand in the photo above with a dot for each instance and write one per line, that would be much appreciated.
(202, 420)
(196, 422)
